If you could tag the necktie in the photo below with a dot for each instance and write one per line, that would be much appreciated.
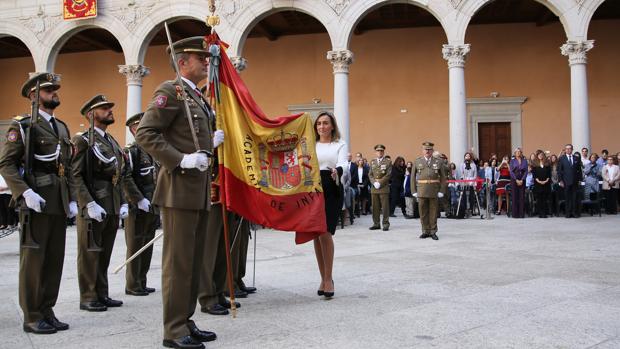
(570, 159)
(54, 126)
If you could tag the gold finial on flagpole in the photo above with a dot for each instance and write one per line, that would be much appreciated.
(213, 19)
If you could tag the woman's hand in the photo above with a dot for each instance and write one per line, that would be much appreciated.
(334, 174)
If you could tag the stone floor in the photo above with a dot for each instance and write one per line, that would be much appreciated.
(501, 283)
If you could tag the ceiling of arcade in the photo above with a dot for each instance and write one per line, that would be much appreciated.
(295, 23)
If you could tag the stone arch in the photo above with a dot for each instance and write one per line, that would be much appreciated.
(470, 7)
(27, 37)
(174, 11)
(66, 29)
(359, 9)
(587, 11)
(249, 16)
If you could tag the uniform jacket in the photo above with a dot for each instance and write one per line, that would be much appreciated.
(380, 171)
(164, 133)
(567, 173)
(107, 177)
(434, 170)
(140, 176)
(51, 179)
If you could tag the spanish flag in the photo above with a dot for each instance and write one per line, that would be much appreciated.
(268, 169)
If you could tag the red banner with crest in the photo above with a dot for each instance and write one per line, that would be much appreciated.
(79, 9)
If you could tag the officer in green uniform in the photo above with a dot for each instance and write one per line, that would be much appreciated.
(183, 188)
(141, 223)
(379, 175)
(430, 177)
(101, 203)
(44, 198)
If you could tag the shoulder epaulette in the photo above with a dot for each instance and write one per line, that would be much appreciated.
(21, 118)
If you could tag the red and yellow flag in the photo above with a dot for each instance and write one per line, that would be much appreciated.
(268, 168)
(79, 9)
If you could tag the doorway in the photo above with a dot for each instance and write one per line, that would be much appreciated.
(494, 137)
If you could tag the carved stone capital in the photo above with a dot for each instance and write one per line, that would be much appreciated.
(239, 63)
(340, 60)
(455, 54)
(134, 73)
(576, 51)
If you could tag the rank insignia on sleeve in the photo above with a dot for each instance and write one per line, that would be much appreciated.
(11, 136)
(160, 101)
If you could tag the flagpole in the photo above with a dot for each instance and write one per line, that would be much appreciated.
(212, 21)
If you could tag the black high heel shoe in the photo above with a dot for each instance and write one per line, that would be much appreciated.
(329, 294)
(320, 292)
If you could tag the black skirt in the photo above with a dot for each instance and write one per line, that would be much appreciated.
(333, 200)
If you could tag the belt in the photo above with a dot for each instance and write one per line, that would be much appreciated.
(428, 181)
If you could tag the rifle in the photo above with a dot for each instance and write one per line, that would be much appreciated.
(26, 238)
(92, 243)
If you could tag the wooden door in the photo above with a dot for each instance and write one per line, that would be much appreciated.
(494, 137)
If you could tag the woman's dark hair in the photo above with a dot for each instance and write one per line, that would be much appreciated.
(400, 160)
(332, 119)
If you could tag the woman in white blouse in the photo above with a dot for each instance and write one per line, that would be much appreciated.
(331, 153)
(611, 183)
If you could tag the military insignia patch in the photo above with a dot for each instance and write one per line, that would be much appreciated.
(11, 136)
(161, 101)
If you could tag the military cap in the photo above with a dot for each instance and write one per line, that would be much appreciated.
(428, 145)
(95, 102)
(45, 80)
(379, 147)
(195, 44)
(134, 119)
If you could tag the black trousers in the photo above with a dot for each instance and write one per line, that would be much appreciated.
(611, 200)
(8, 216)
(570, 197)
(542, 199)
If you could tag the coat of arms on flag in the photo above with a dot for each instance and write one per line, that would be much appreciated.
(79, 9)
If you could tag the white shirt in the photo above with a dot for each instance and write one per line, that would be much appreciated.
(331, 155)
(611, 170)
(190, 83)
(360, 174)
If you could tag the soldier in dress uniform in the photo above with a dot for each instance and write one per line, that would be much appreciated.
(45, 199)
(101, 202)
(141, 223)
(430, 177)
(183, 187)
(379, 175)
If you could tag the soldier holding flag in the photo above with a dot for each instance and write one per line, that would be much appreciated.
(183, 186)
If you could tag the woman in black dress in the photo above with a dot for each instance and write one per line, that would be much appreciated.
(331, 154)
(542, 184)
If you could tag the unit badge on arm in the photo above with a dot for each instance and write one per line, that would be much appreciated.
(161, 101)
(12, 136)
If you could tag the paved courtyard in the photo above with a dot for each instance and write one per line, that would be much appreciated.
(503, 283)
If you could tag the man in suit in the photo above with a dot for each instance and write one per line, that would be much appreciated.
(141, 223)
(45, 197)
(379, 176)
(569, 175)
(183, 187)
(428, 179)
(101, 202)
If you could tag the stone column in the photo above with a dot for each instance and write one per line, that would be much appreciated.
(134, 74)
(239, 63)
(455, 55)
(341, 61)
(580, 114)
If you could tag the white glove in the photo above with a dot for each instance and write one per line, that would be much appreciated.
(73, 210)
(95, 211)
(144, 205)
(440, 195)
(218, 138)
(124, 211)
(415, 195)
(195, 160)
(33, 200)
(376, 185)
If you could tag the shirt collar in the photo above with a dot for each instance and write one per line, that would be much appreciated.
(100, 131)
(45, 115)
(190, 83)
